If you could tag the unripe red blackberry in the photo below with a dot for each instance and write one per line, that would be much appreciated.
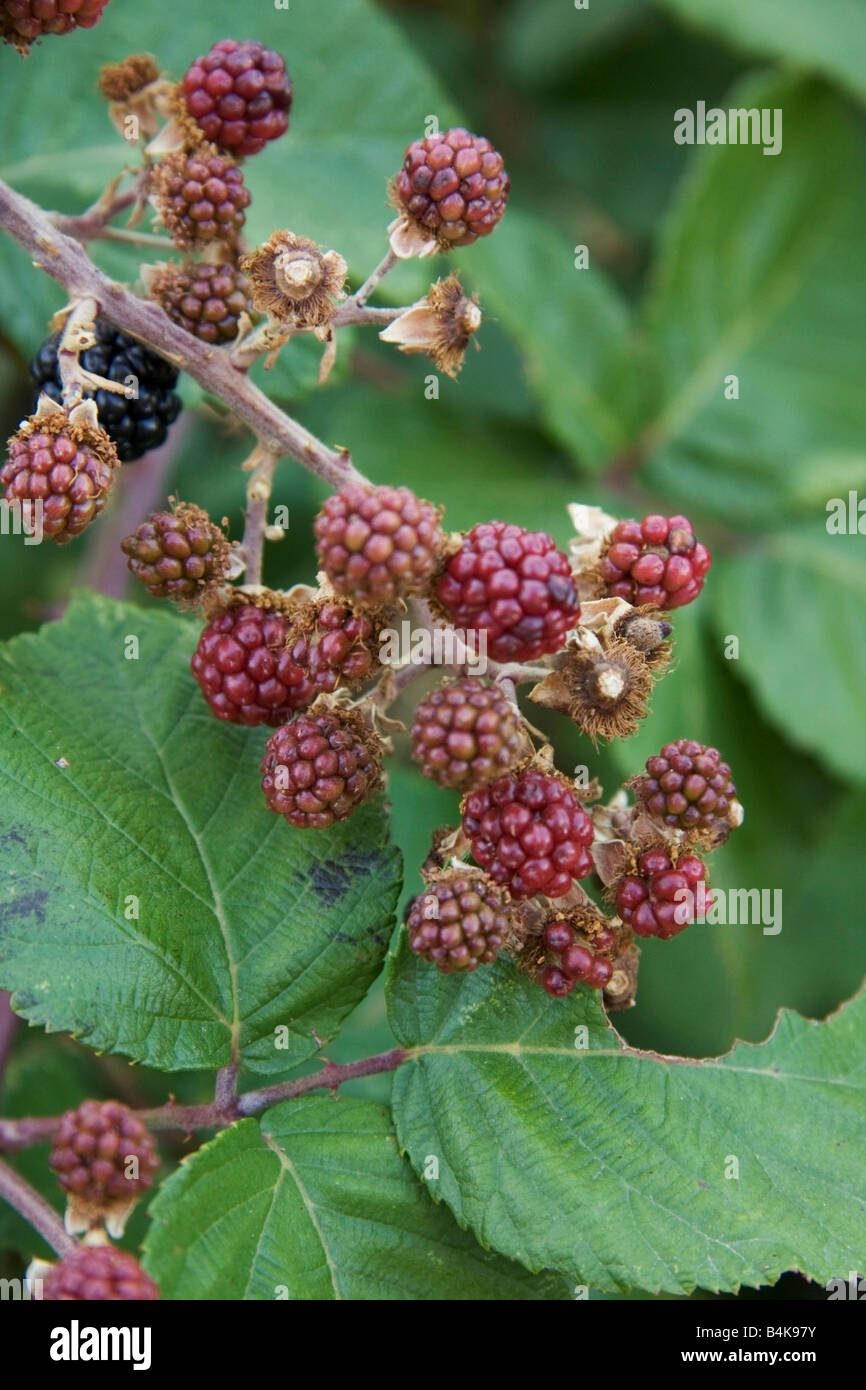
(207, 300)
(22, 22)
(515, 586)
(687, 786)
(239, 95)
(576, 961)
(59, 469)
(178, 554)
(104, 1159)
(453, 186)
(467, 732)
(655, 561)
(242, 666)
(530, 832)
(317, 769)
(459, 922)
(200, 196)
(331, 644)
(98, 1274)
(377, 544)
(662, 897)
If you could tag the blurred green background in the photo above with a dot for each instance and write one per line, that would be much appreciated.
(603, 385)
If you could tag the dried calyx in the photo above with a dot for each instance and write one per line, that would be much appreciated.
(441, 325)
(604, 689)
(294, 281)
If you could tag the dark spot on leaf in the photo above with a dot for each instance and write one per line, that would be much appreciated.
(28, 905)
(12, 837)
(701, 1183)
(332, 879)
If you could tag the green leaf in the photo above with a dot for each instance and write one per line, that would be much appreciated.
(828, 38)
(798, 607)
(609, 1164)
(570, 324)
(317, 1204)
(761, 276)
(243, 925)
(544, 39)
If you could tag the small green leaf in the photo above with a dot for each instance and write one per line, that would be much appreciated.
(754, 281)
(316, 1203)
(152, 904)
(828, 38)
(797, 605)
(570, 324)
(615, 1166)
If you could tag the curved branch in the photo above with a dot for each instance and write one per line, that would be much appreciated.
(66, 260)
(35, 1210)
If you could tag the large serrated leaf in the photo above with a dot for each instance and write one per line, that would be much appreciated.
(120, 793)
(316, 1203)
(615, 1166)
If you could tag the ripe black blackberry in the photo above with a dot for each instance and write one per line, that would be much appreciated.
(134, 425)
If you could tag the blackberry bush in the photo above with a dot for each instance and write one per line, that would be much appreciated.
(368, 748)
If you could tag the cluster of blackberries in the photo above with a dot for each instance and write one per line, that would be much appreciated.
(265, 658)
